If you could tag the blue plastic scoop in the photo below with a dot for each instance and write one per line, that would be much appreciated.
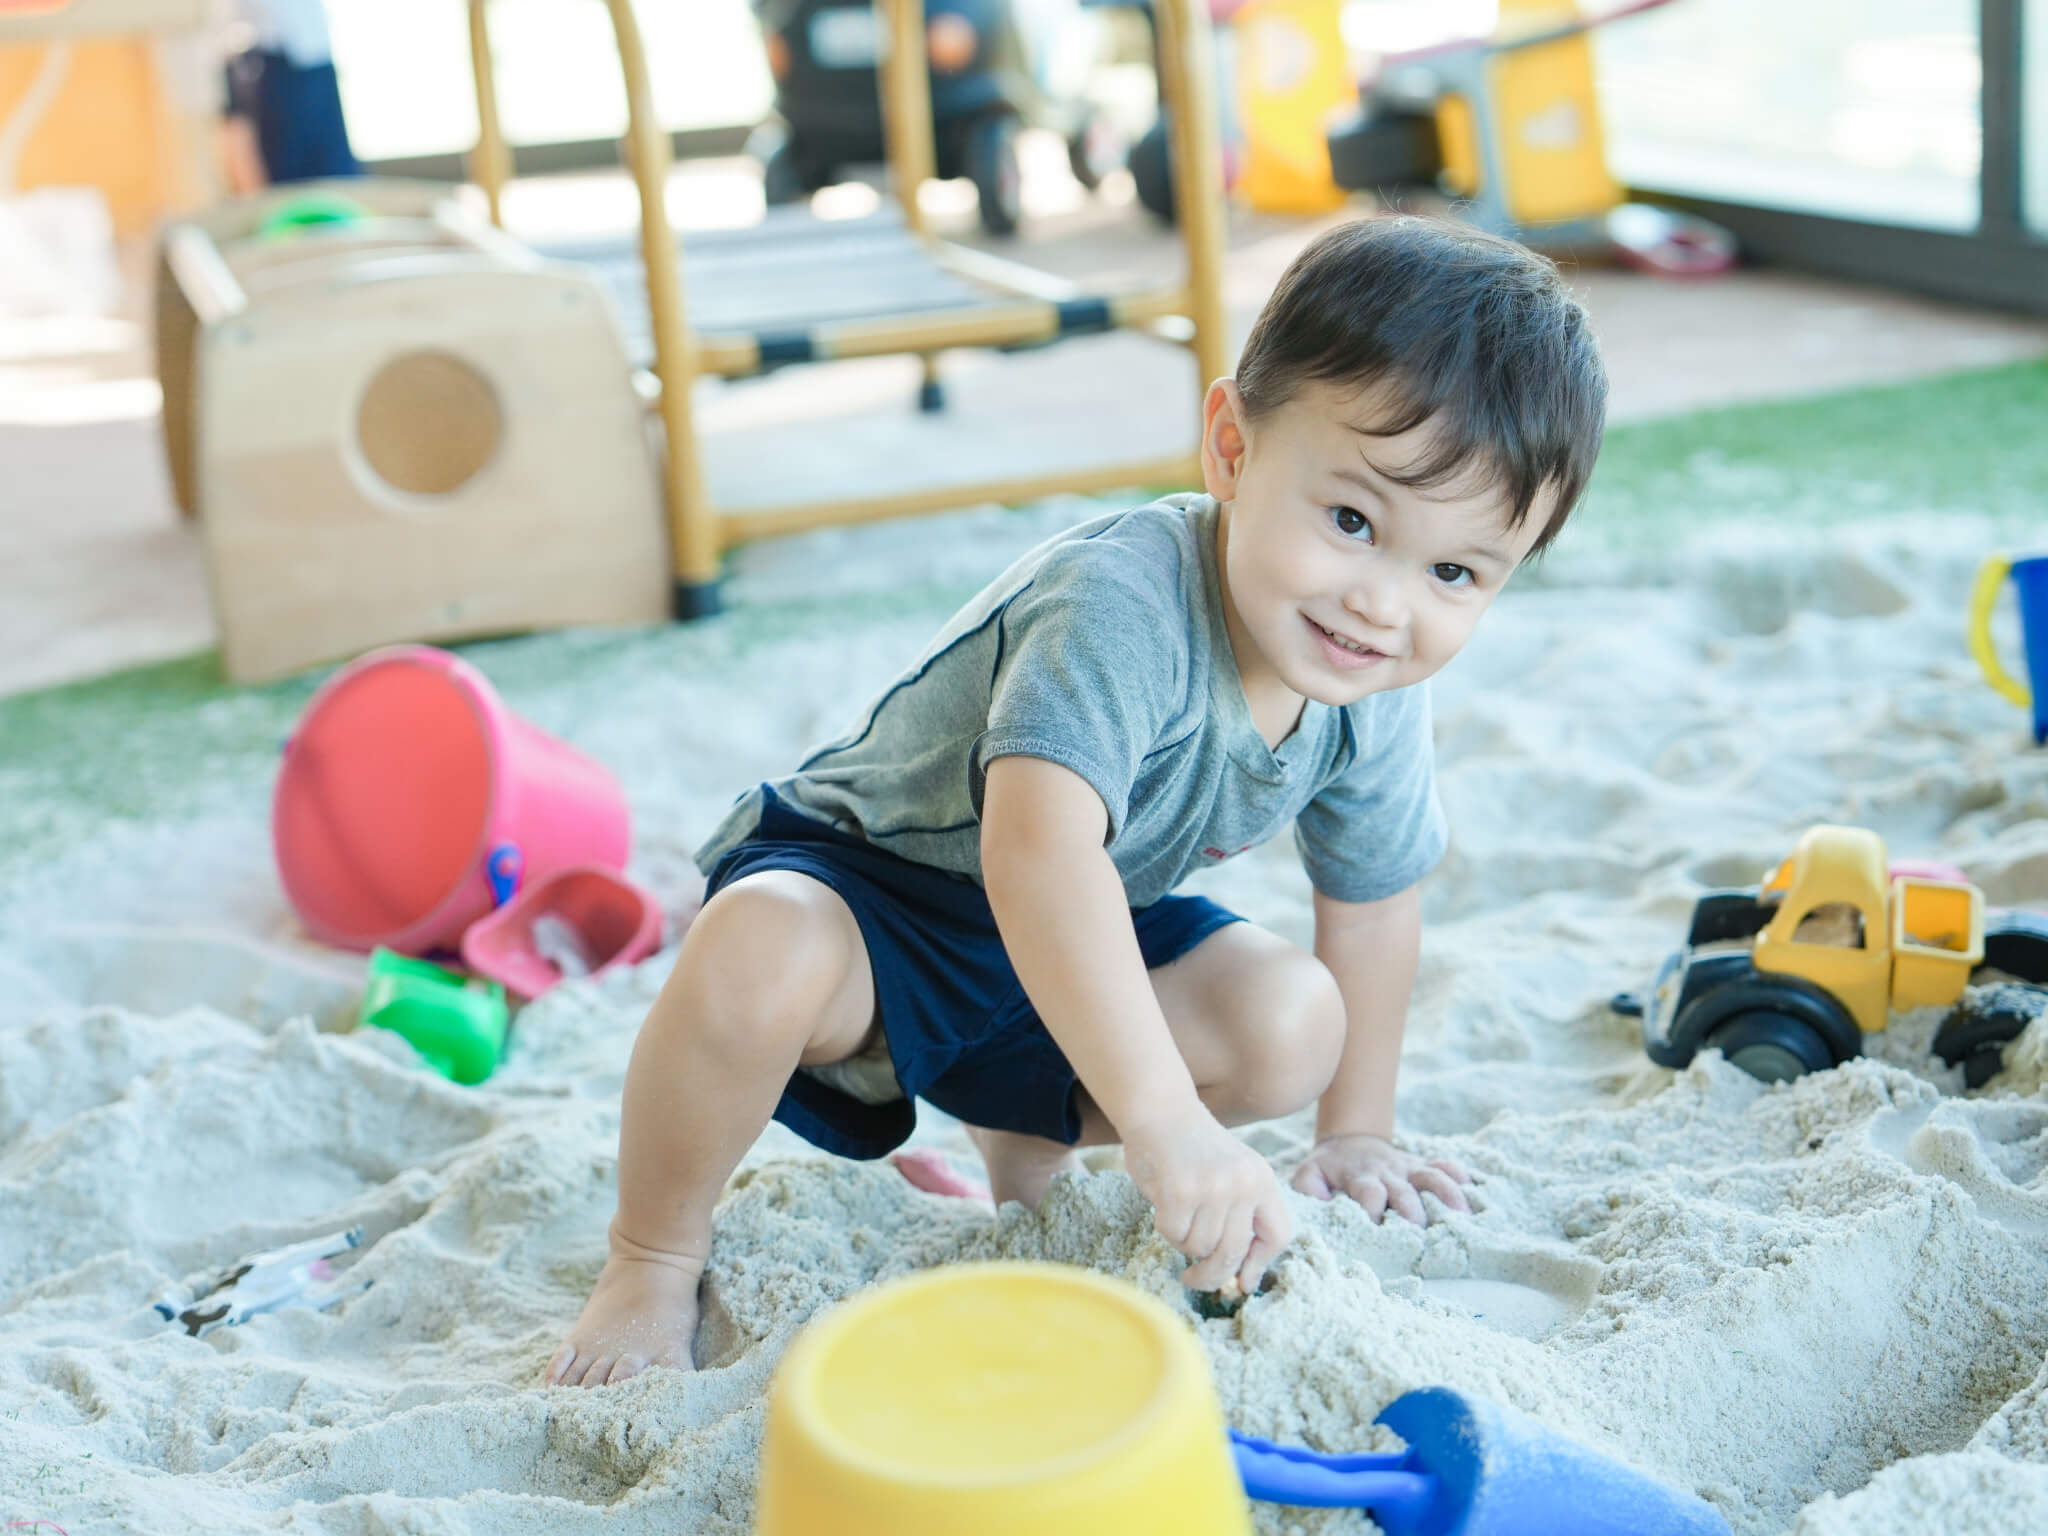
(1475, 1468)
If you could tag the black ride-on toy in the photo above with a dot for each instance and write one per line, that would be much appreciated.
(1786, 977)
(991, 75)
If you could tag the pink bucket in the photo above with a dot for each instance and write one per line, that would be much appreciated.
(411, 802)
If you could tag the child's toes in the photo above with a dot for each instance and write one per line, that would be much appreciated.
(559, 1366)
(623, 1369)
(594, 1372)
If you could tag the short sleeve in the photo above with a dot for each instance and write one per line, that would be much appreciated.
(1091, 664)
(1377, 827)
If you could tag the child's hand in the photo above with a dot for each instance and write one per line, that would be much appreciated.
(1213, 1198)
(1380, 1177)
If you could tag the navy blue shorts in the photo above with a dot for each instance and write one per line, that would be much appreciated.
(961, 1033)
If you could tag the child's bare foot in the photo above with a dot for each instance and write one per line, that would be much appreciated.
(1021, 1167)
(641, 1312)
(928, 1169)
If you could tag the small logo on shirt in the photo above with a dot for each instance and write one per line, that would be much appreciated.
(1218, 853)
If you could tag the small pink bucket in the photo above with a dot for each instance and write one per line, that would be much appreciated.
(604, 919)
(411, 802)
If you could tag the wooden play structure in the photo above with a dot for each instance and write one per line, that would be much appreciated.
(410, 426)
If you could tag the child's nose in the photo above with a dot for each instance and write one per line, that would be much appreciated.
(1379, 597)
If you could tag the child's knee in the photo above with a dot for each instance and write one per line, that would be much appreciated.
(771, 949)
(1297, 1040)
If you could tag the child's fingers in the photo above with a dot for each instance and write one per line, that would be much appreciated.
(1405, 1203)
(1205, 1233)
(1174, 1221)
(1455, 1170)
(1368, 1192)
(1227, 1257)
(1433, 1181)
(1272, 1230)
(1310, 1179)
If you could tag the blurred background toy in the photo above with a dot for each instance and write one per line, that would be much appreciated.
(410, 802)
(2029, 576)
(297, 1275)
(1510, 125)
(576, 922)
(997, 67)
(1787, 977)
(415, 814)
(457, 1023)
(1292, 73)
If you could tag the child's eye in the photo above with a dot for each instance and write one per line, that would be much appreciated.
(1351, 522)
(1452, 575)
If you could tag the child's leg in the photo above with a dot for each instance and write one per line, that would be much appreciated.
(1260, 1024)
(772, 973)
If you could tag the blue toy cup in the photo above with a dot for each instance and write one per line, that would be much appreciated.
(2029, 575)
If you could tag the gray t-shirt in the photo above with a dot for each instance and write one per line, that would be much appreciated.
(1105, 650)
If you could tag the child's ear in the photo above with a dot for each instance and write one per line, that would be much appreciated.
(1223, 439)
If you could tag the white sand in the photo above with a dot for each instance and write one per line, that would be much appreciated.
(1825, 1306)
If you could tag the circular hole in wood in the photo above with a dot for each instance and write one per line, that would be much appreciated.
(428, 422)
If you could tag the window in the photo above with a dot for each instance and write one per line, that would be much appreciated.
(1861, 109)
(2034, 115)
(405, 75)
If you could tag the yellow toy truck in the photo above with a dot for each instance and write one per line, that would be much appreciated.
(1788, 976)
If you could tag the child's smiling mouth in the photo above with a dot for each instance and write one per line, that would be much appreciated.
(1343, 653)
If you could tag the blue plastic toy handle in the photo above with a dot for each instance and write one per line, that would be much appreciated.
(1385, 1483)
(503, 869)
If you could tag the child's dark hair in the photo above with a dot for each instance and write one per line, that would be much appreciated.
(1448, 325)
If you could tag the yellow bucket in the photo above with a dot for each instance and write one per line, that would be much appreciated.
(998, 1400)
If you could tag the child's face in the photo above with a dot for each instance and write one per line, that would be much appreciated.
(1339, 582)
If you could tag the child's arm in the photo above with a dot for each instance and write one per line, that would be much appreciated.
(1066, 924)
(1372, 947)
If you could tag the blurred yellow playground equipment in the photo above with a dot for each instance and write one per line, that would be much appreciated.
(114, 94)
(407, 425)
(1293, 77)
(1510, 122)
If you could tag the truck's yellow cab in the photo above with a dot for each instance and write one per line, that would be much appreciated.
(1914, 941)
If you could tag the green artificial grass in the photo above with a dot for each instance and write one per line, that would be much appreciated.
(158, 741)
(1972, 443)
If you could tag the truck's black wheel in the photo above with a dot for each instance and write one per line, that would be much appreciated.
(1735, 994)
(1974, 1034)
(2016, 943)
(1772, 1047)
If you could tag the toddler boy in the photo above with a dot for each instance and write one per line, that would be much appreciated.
(967, 897)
